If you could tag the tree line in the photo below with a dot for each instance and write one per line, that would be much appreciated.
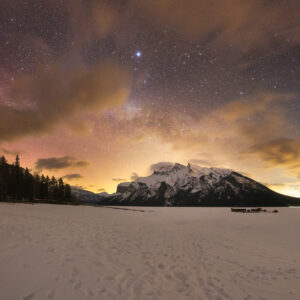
(18, 184)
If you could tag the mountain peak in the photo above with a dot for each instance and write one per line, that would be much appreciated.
(167, 168)
(191, 185)
(174, 184)
(189, 169)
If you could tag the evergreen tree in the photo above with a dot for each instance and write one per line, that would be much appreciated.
(18, 184)
(43, 188)
(17, 179)
(53, 188)
(3, 161)
(61, 189)
(37, 187)
(3, 179)
(47, 182)
(28, 185)
(17, 162)
(68, 192)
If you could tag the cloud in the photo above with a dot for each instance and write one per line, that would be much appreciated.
(118, 179)
(60, 84)
(278, 152)
(202, 162)
(252, 105)
(82, 163)
(244, 24)
(238, 135)
(80, 187)
(241, 121)
(249, 122)
(9, 152)
(57, 92)
(133, 176)
(101, 190)
(159, 165)
(55, 163)
(93, 19)
(73, 176)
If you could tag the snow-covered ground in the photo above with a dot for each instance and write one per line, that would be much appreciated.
(80, 252)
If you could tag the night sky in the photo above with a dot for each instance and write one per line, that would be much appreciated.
(99, 91)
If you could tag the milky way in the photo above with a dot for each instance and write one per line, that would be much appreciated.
(124, 84)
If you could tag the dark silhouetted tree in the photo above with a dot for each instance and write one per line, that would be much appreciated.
(28, 185)
(17, 183)
(61, 189)
(68, 192)
(4, 178)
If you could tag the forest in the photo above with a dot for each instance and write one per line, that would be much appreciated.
(18, 184)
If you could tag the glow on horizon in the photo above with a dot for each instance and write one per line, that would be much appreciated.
(294, 192)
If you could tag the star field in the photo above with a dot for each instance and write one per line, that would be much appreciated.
(130, 83)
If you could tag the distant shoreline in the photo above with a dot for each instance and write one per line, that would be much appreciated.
(78, 203)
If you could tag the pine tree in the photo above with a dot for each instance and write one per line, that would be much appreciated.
(3, 179)
(17, 162)
(44, 187)
(28, 185)
(17, 179)
(3, 161)
(47, 182)
(53, 188)
(68, 192)
(37, 187)
(61, 190)
(18, 184)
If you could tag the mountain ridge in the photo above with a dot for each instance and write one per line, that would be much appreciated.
(192, 185)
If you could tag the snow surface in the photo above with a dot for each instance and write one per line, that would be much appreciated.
(81, 252)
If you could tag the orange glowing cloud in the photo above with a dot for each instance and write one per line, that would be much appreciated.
(54, 93)
(246, 24)
(247, 136)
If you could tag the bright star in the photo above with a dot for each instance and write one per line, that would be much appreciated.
(138, 54)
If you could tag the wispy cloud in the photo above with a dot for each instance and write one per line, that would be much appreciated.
(73, 176)
(118, 179)
(55, 163)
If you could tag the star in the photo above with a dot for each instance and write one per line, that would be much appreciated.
(138, 54)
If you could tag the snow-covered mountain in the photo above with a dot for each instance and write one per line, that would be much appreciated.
(86, 197)
(191, 185)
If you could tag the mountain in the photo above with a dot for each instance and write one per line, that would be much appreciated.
(179, 185)
(85, 197)
(102, 195)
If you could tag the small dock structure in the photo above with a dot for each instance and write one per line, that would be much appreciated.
(251, 210)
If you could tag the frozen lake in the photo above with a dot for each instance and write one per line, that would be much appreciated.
(81, 252)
